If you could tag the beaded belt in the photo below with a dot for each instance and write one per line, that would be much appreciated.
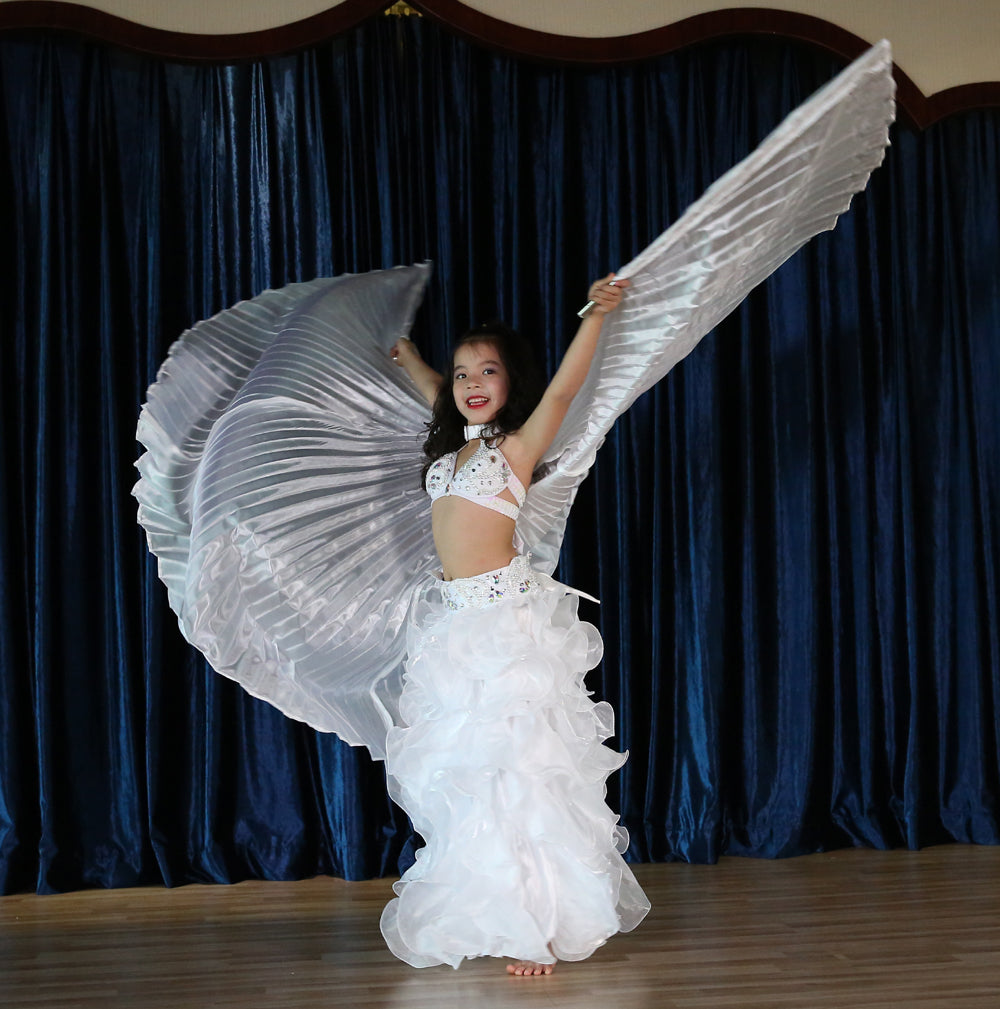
(516, 579)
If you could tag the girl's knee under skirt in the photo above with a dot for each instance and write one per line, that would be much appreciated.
(501, 765)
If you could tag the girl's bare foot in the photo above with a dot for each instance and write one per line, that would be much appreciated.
(528, 968)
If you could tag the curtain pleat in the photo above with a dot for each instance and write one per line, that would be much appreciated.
(793, 535)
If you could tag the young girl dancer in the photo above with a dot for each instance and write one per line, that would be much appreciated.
(277, 494)
(499, 758)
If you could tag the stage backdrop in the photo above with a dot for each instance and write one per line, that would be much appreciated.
(794, 536)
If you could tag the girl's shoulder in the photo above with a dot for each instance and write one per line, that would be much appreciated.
(514, 450)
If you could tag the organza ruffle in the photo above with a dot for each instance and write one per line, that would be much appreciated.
(501, 764)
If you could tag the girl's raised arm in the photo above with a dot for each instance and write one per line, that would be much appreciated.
(424, 377)
(540, 428)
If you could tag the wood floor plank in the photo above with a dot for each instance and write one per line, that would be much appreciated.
(859, 929)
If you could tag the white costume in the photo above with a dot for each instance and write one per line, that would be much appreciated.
(279, 492)
(499, 760)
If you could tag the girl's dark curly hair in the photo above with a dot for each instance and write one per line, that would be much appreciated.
(446, 430)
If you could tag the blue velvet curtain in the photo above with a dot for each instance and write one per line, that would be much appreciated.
(793, 535)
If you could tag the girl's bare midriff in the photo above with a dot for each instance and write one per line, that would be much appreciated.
(469, 539)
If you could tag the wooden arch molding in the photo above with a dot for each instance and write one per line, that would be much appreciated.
(920, 109)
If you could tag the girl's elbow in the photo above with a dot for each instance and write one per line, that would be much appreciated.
(563, 395)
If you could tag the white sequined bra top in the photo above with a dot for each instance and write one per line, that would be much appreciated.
(480, 480)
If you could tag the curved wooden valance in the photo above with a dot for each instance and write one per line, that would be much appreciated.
(488, 31)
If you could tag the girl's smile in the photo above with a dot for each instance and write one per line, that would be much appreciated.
(479, 383)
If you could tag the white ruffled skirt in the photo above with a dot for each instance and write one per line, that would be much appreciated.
(500, 764)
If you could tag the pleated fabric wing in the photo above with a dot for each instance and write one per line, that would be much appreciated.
(279, 486)
(793, 186)
(280, 491)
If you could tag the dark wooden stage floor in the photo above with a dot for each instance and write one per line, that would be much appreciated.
(848, 930)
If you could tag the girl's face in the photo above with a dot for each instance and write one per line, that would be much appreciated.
(479, 382)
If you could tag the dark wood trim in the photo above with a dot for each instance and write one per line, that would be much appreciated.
(689, 31)
(962, 98)
(498, 35)
(188, 46)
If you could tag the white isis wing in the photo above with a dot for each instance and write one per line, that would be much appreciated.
(280, 492)
(793, 186)
(279, 485)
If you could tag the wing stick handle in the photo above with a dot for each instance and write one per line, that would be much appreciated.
(588, 308)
